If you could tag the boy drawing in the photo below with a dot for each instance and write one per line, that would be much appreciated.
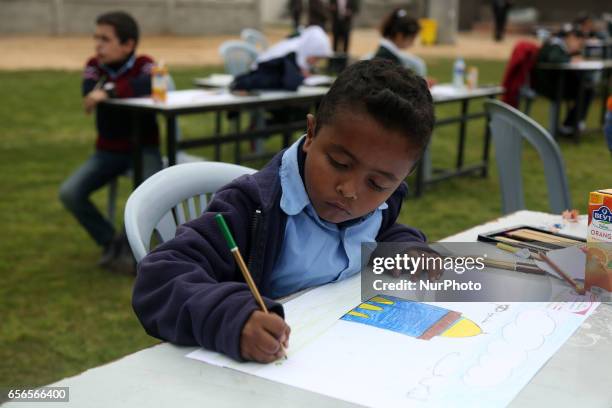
(299, 221)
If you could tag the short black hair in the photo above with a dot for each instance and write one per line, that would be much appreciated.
(126, 27)
(394, 96)
(399, 22)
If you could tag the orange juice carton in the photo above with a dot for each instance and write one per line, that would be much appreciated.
(159, 83)
(598, 276)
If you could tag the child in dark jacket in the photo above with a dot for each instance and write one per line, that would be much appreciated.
(566, 47)
(299, 221)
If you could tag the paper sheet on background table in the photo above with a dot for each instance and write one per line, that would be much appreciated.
(375, 367)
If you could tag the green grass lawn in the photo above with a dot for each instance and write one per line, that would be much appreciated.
(60, 314)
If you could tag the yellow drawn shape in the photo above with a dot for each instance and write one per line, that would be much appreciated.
(358, 314)
(382, 300)
(368, 306)
(463, 328)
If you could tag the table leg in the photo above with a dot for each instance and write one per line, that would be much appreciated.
(171, 139)
(605, 94)
(462, 128)
(486, 147)
(237, 155)
(419, 184)
(136, 150)
(556, 108)
(579, 103)
(217, 134)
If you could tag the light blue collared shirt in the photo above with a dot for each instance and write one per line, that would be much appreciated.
(314, 251)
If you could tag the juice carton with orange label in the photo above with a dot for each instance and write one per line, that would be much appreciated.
(159, 82)
(598, 276)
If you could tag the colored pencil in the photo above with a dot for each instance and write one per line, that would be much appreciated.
(242, 265)
(579, 288)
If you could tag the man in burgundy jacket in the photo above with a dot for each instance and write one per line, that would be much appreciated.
(114, 72)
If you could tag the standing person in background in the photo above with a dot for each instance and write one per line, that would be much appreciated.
(295, 10)
(500, 16)
(317, 13)
(114, 72)
(399, 31)
(342, 12)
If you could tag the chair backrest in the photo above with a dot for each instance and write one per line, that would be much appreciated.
(254, 37)
(171, 197)
(509, 127)
(517, 74)
(238, 56)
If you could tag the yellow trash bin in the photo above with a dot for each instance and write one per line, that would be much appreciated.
(429, 31)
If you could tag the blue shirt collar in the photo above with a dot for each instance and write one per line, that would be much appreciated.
(294, 197)
(115, 73)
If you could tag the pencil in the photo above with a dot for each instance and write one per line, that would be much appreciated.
(243, 267)
(514, 266)
(519, 252)
(579, 288)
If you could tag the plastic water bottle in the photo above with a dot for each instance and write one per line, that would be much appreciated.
(608, 124)
(458, 73)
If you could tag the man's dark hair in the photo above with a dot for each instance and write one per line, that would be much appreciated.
(399, 22)
(124, 24)
(394, 96)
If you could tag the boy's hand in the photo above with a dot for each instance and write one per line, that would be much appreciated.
(263, 337)
(429, 257)
(93, 98)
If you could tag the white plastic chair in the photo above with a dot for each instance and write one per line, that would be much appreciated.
(254, 37)
(509, 127)
(181, 157)
(170, 197)
(238, 56)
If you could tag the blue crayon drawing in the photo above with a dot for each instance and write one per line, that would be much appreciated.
(414, 319)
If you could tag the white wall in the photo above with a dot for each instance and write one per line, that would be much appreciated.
(273, 11)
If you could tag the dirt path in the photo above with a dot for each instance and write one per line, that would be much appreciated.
(37, 52)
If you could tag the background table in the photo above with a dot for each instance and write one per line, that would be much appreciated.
(578, 375)
(202, 101)
(583, 68)
(444, 94)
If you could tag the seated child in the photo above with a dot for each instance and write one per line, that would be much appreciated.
(299, 221)
(285, 64)
(565, 47)
(116, 71)
(399, 32)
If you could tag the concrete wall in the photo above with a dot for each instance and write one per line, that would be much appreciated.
(446, 14)
(371, 15)
(187, 17)
(549, 11)
(373, 11)
(564, 10)
(274, 12)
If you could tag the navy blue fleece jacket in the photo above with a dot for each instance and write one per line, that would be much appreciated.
(189, 290)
